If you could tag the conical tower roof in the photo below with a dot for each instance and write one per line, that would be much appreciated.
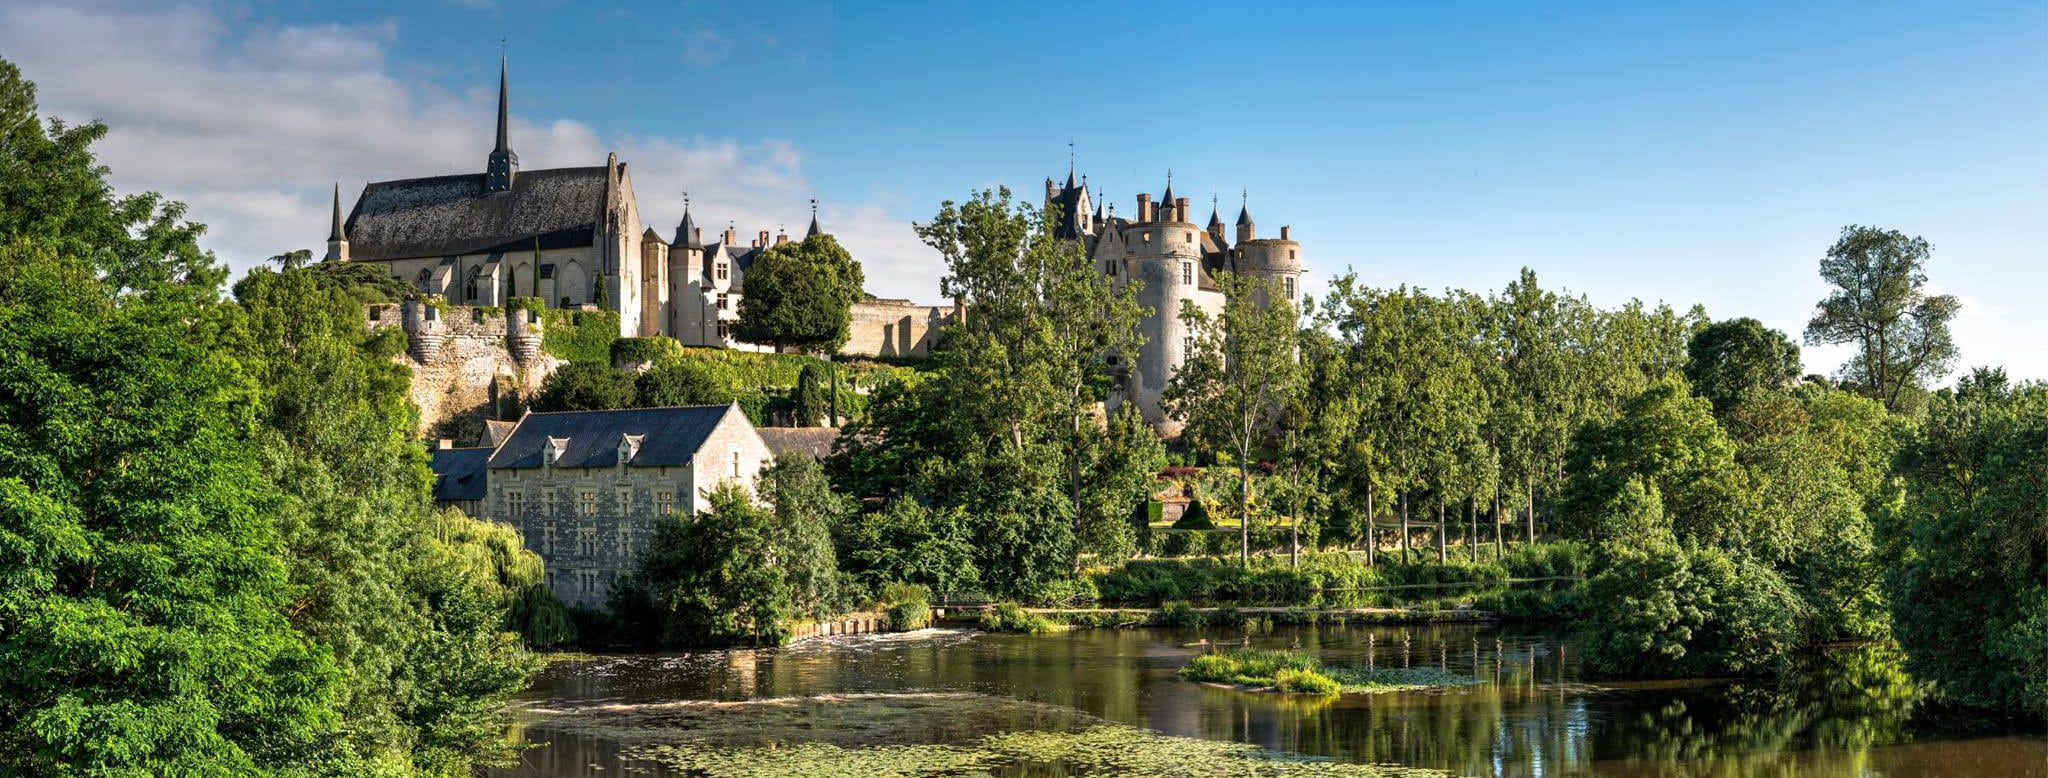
(335, 233)
(686, 233)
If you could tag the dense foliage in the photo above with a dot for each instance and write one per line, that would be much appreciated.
(800, 296)
(1967, 549)
(1881, 305)
(221, 553)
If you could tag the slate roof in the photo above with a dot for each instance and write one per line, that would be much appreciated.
(672, 436)
(453, 215)
(813, 442)
(459, 473)
(497, 430)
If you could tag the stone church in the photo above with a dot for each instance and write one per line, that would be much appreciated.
(571, 237)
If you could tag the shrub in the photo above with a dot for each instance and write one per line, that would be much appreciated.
(1247, 666)
(1011, 617)
(1179, 614)
(643, 351)
(579, 336)
(1549, 560)
(1065, 592)
(1195, 517)
(908, 605)
(1305, 682)
(1668, 611)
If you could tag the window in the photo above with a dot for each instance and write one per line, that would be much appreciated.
(724, 330)
(721, 271)
(722, 301)
(546, 272)
(515, 504)
(547, 538)
(589, 503)
(1290, 253)
(469, 289)
(548, 509)
(624, 539)
(735, 464)
(664, 502)
(424, 280)
(1187, 349)
(625, 501)
(1147, 235)
(1191, 237)
(1187, 273)
(1287, 283)
(586, 539)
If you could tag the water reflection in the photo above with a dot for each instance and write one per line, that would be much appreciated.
(1849, 712)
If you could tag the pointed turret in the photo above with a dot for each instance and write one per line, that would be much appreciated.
(1167, 199)
(686, 233)
(1245, 231)
(813, 231)
(337, 235)
(504, 165)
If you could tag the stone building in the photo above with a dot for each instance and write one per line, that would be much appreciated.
(585, 487)
(1178, 262)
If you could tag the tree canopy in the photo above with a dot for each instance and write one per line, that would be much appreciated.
(1882, 306)
(800, 295)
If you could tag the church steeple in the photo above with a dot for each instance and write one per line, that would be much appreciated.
(337, 235)
(504, 164)
(814, 231)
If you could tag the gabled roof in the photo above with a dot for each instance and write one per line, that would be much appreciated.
(672, 436)
(497, 430)
(459, 473)
(453, 215)
(813, 442)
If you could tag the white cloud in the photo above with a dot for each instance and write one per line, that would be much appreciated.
(251, 128)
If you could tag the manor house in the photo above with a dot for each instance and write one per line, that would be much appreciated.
(584, 488)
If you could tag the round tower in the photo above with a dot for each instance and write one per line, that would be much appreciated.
(425, 332)
(1275, 260)
(1167, 257)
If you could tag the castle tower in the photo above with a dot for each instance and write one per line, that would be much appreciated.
(1216, 223)
(685, 270)
(504, 165)
(1245, 231)
(1274, 260)
(1164, 253)
(337, 235)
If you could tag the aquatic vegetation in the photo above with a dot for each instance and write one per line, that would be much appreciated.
(1295, 671)
(1011, 617)
(1102, 750)
(918, 735)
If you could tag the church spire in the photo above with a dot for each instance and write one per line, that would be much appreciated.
(337, 235)
(814, 231)
(504, 163)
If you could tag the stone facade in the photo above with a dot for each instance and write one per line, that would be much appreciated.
(895, 328)
(467, 363)
(591, 512)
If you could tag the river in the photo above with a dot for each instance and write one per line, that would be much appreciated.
(1849, 712)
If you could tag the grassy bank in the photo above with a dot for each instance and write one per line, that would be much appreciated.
(1296, 672)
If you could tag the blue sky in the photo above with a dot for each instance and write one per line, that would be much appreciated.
(1693, 153)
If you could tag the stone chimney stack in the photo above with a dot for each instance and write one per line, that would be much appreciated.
(1286, 232)
(1144, 207)
(732, 236)
(1180, 209)
(781, 238)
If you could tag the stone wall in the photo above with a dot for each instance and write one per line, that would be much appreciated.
(894, 328)
(461, 365)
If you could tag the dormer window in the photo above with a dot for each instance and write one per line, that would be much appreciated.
(629, 445)
(551, 451)
(721, 271)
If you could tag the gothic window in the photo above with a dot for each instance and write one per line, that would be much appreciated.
(424, 280)
(1187, 273)
(469, 290)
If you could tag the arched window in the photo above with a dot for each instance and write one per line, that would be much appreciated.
(470, 291)
(424, 280)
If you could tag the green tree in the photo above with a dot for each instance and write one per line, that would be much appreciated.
(1881, 305)
(1128, 457)
(1966, 552)
(1240, 373)
(812, 400)
(669, 383)
(906, 542)
(806, 511)
(1668, 440)
(588, 386)
(145, 590)
(800, 296)
(1730, 358)
(1662, 610)
(712, 576)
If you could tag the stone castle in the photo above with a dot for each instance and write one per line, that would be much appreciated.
(1177, 263)
(573, 239)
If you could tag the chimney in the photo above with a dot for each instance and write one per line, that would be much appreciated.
(732, 237)
(445, 444)
(1180, 209)
(781, 238)
(761, 241)
(1286, 232)
(1145, 208)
